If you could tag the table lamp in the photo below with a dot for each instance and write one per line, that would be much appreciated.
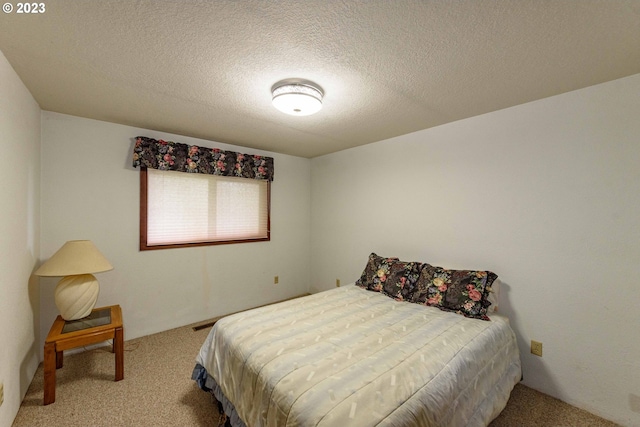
(77, 292)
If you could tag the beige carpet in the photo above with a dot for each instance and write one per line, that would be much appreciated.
(157, 390)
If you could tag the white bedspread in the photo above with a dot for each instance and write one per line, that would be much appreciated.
(351, 357)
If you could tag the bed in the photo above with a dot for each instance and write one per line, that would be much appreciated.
(353, 357)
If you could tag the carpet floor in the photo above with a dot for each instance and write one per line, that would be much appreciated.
(157, 391)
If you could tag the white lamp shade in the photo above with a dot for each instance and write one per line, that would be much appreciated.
(75, 257)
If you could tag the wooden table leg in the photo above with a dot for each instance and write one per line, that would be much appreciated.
(118, 348)
(59, 359)
(49, 373)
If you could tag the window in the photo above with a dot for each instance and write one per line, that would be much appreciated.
(180, 209)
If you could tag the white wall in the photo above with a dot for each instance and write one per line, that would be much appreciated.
(19, 238)
(545, 194)
(91, 191)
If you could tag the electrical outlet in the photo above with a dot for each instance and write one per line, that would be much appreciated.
(275, 280)
(337, 283)
(536, 348)
(1, 393)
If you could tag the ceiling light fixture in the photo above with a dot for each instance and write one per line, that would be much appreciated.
(297, 97)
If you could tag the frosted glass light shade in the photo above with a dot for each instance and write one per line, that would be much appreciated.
(76, 293)
(297, 99)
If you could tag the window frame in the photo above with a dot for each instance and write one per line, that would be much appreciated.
(144, 217)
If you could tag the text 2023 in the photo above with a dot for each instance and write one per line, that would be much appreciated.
(31, 8)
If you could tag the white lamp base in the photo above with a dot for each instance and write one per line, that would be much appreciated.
(76, 296)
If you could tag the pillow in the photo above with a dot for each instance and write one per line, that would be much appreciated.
(375, 273)
(461, 291)
(401, 280)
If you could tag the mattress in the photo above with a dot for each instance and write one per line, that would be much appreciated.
(352, 357)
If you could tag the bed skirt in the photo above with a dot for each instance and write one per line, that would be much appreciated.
(228, 415)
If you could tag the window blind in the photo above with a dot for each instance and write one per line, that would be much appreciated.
(192, 208)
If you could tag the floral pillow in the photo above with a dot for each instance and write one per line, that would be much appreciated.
(462, 291)
(401, 280)
(375, 273)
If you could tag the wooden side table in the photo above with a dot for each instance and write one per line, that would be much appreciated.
(102, 324)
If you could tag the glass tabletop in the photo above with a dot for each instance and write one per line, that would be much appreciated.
(96, 318)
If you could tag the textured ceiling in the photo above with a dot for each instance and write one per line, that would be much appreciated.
(205, 68)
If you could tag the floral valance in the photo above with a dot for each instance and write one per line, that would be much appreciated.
(168, 155)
